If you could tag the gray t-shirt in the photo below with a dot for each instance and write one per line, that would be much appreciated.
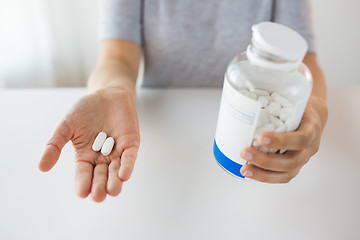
(188, 43)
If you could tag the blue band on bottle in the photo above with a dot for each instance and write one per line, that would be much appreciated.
(226, 162)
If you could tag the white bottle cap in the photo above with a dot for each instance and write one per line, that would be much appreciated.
(284, 46)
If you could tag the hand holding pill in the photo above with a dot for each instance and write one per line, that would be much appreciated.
(103, 128)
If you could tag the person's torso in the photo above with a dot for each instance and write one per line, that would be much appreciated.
(189, 43)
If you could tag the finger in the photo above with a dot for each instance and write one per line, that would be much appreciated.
(261, 175)
(297, 140)
(114, 183)
(50, 156)
(128, 158)
(98, 189)
(275, 162)
(83, 177)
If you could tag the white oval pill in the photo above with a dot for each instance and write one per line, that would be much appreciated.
(255, 144)
(252, 95)
(108, 146)
(287, 110)
(263, 118)
(260, 92)
(288, 123)
(274, 109)
(285, 114)
(99, 141)
(282, 101)
(263, 100)
(266, 128)
(277, 122)
(273, 150)
(264, 149)
(281, 129)
(274, 94)
(269, 99)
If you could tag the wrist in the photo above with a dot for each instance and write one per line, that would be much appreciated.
(115, 94)
(120, 86)
(121, 89)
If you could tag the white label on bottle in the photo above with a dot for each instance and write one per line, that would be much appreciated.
(238, 116)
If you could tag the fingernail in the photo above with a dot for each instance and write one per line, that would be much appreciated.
(248, 173)
(246, 155)
(265, 141)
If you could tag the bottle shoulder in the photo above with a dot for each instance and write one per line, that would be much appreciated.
(242, 74)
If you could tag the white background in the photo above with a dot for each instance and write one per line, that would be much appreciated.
(336, 25)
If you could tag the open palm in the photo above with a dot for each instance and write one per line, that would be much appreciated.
(110, 111)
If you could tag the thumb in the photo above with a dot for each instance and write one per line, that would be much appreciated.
(51, 153)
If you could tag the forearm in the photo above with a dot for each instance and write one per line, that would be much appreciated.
(318, 95)
(117, 67)
(319, 83)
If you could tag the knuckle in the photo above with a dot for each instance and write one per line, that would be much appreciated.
(291, 161)
(287, 179)
(316, 149)
(303, 139)
(292, 175)
(292, 165)
(313, 131)
(54, 144)
(303, 158)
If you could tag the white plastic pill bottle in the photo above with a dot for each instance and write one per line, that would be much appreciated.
(266, 89)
